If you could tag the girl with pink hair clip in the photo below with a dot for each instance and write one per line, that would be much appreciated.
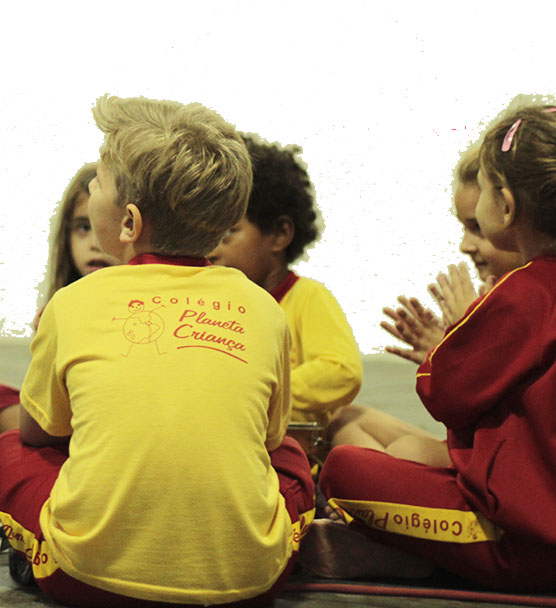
(422, 330)
(489, 515)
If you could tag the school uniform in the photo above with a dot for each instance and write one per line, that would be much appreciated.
(326, 369)
(171, 377)
(492, 381)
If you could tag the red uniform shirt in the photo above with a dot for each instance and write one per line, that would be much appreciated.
(492, 382)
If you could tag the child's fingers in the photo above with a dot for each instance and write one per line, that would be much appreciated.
(407, 304)
(411, 328)
(441, 301)
(457, 281)
(449, 284)
(461, 280)
(391, 330)
(410, 355)
(461, 293)
(464, 271)
(426, 315)
(436, 293)
(411, 334)
(487, 285)
(390, 312)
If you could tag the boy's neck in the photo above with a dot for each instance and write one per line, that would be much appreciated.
(275, 277)
(175, 260)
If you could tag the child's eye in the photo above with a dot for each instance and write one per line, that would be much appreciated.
(473, 227)
(81, 228)
(229, 232)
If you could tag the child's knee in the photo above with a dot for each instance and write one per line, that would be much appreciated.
(336, 469)
(425, 450)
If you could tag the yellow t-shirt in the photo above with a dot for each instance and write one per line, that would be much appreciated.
(325, 361)
(174, 383)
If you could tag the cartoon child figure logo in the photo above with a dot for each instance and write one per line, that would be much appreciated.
(142, 326)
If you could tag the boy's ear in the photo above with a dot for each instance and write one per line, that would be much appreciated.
(508, 208)
(132, 224)
(282, 233)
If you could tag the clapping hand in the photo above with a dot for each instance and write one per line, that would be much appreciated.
(454, 292)
(415, 325)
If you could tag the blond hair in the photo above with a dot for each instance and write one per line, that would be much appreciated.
(186, 169)
(63, 267)
(468, 167)
(528, 167)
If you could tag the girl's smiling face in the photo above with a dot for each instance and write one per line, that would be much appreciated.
(487, 258)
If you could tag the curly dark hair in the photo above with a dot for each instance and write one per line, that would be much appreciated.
(281, 186)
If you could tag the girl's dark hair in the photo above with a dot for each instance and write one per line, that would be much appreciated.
(281, 186)
(528, 167)
(64, 271)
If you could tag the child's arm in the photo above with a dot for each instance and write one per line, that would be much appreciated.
(329, 372)
(414, 325)
(486, 354)
(32, 433)
(45, 412)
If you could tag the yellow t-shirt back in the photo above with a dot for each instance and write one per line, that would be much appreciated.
(174, 383)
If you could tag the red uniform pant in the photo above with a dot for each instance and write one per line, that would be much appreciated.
(8, 396)
(420, 509)
(26, 478)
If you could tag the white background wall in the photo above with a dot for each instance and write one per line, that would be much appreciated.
(381, 96)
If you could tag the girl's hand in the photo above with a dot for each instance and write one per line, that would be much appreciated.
(487, 285)
(454, 292)
(414, 325)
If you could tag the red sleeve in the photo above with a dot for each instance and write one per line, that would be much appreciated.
(487, 353)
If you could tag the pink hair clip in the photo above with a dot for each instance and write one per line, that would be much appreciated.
(507, 143)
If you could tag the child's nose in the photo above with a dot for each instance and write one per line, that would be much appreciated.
(468, 244)
(94, 242)
(214, 254)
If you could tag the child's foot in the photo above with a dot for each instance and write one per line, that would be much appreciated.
(334, 550)
(331, 513)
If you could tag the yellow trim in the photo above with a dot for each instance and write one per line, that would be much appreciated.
(443, 525)
(24, 541)
(467, 317)
(301, 527)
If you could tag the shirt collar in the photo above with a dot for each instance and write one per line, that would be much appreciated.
(282, 289)
(154, 258)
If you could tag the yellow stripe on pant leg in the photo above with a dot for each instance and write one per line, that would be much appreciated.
(444, 525)
(24, 541)
(300, 527)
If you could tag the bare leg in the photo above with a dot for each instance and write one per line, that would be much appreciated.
(371, 428)
(334, 550)
(382, 428)
(426, 450)
(9, 418)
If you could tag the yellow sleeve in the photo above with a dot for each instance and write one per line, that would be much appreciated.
(44, 394)
(327, 372)
(279, 410)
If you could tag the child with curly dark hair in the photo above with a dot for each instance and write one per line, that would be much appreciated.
(279, 225)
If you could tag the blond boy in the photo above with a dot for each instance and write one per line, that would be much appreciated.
(168, 378)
